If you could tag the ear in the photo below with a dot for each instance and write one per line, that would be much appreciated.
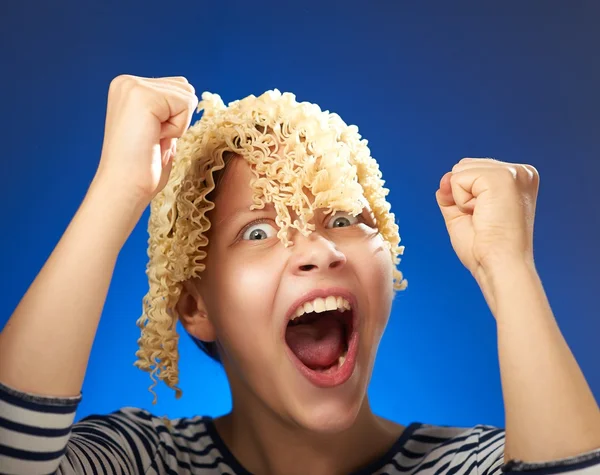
(191, 309)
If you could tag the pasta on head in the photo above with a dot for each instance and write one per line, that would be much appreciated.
(302, 159)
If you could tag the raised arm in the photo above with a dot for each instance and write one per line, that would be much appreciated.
(489, 209)
(550, 410)
(45, 346)
(46, 343)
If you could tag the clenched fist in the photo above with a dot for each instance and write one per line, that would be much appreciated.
(144, 119)
(489, 210)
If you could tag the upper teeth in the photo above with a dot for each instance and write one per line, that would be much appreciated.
(320, 304)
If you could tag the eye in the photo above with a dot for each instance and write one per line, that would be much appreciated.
(259, 231)
(341, 219)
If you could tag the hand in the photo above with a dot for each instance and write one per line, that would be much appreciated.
(489, 208)
(144, 119)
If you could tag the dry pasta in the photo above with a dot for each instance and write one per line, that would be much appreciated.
(302, 159)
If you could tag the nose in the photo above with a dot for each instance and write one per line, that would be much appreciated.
(314, 254)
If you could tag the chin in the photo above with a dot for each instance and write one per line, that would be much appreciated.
(328, 418)
(329, 411)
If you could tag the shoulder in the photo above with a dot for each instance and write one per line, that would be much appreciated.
(439, 448)
(137, 440)
(444, 434)
(140, 425)
(480, 440)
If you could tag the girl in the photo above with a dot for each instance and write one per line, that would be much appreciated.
(272, 242)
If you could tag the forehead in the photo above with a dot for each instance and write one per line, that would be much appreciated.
(234, 189)
(235, 194)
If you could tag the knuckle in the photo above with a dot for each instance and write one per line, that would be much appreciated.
(193, 102)
(529, 174)
(135, 88)
(187, 87)
(184, 83)
(137, 91)
(121, 80)
(123, 86)
(181, 80)
(521, 171)
(532, 171)
(510, 172)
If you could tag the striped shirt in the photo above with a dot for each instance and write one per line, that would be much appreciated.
(38, 436)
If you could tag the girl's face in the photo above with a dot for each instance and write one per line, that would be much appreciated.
(252, 282)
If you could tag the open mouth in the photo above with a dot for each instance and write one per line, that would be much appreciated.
(323, 342)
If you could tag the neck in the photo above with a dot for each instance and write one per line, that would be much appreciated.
(263, 443)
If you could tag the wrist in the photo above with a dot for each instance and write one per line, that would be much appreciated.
(495, 268)
(119, 210)
(117, 198)
(497, 277)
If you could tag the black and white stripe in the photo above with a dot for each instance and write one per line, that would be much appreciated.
(37, 436)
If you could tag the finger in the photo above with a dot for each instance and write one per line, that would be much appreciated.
(166, 172)
(444, 193)
(531, 169)
(447, 206)
(173, 85)
(528, 174)
(178, 114)
(480, 159)
(166, 88)
(462, 191)
(445, 199)
(175, 127)
(167, 146)
(467, 163)
(177, 79)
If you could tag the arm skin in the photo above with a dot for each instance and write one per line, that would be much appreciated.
(550, 410)
(46, 343)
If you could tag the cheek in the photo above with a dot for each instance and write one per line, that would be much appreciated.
(243, 300)
(376, 273)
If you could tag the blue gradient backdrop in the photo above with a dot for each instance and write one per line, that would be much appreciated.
(426, 82)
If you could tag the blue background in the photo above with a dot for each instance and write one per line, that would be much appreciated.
(426, 82)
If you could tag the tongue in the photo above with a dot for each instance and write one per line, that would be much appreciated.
(318, 343)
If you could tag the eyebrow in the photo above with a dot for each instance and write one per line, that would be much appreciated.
(269, 209)
(244, 210)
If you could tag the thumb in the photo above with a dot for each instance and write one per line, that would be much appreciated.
(449, 198)
(166, 173)
(167, 145)
(462, 189)
(444, 194)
